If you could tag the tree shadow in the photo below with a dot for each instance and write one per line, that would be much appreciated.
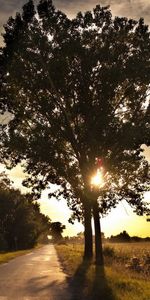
(44, 288)
(100, 287)
(78, 281)
(84, 286)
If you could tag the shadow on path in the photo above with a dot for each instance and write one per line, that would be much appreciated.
(41, 287)
(84, 286)
(78, 281)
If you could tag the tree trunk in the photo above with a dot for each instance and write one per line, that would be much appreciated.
(98, 238)
(88, 245)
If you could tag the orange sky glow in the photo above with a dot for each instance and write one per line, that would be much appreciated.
(119, 219)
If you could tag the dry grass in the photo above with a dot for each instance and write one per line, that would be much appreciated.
(5, 257)
(131, 249)
(114, 282)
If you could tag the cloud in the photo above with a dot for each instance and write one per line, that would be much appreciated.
(8, 8)
(129, 8)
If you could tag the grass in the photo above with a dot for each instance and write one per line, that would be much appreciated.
(131, 249)
(6, 256)
(113, 282)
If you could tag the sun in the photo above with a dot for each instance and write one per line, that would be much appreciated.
(97, 180)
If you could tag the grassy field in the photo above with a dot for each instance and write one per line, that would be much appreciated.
(115, 281)
(5, 257)
(129, 250)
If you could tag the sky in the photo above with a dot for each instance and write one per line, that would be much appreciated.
(121, 218)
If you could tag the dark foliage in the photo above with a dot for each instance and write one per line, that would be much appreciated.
(78, 90)
(125, 237)
(121, 237)
(56, 230)
(21, 223)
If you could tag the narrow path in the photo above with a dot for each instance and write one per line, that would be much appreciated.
(34, 276)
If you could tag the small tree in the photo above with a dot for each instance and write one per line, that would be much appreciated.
(56, 230)
(78, 90)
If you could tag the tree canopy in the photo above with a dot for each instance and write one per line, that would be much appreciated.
(78, 90)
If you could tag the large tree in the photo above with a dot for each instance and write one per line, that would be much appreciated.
(78, 90)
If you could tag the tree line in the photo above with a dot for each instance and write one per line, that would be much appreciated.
(21, 222)
(125, 237)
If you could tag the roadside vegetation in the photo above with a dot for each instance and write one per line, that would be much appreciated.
(118, 280)
(22, 225)
(6, 256)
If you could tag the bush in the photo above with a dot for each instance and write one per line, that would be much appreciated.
(109, 251)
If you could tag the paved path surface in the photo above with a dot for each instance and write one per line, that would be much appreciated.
(34, 276)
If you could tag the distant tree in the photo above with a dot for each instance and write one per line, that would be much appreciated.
(56, 230)
(137, 239)
(78, 90)
(124, 236)
(147, 239)
(121, 237)
(21, 222)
